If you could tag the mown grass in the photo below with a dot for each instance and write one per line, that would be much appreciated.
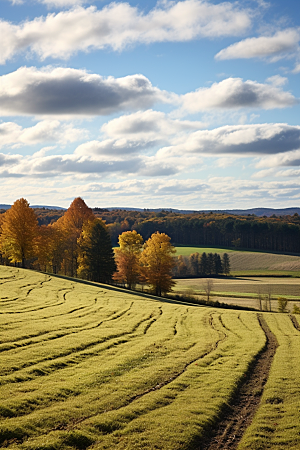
(266, 273)
(276, 424)
(252, 263)
(187, 251)
(85, 366)
(243, 289)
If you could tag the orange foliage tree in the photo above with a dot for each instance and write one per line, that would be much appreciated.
(157, 262)
(18, 232)
(70, 227)
(128, 258)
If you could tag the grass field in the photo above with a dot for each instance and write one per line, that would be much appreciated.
(244, 291)
(252, 263)
(91, 366)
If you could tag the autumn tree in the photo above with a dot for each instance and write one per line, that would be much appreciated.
(128, 258)
(96, 257)
(19, 226)
(49, 248)
(157, 262)
(181, 266)
(70, 225)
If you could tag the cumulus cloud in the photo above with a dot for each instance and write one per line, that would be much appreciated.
(114, 147)
(150, 125)
(8, 160)
(72, 92)
(277, 46)
(83, 163)
(252, 139)
(119, 25)
(200, 194)
(291, 158)
(47, 130)
(234, 93)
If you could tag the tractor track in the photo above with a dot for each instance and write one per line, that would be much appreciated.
(239, 414)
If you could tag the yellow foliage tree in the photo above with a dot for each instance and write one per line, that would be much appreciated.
(157, 262)
(128, 258)
(19, 227)
(49, 244)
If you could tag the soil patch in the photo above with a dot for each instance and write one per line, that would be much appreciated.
(295, 322)
(240, 412)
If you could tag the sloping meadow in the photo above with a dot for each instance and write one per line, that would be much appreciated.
(91, 366)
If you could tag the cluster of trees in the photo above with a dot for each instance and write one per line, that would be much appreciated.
(149, 263)
(280, 234)
(77, 244)
(201, 265)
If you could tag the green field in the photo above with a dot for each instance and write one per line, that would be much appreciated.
(244, 291)
(252, 263)
(91, 366)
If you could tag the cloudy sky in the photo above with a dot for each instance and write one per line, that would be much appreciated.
(190, 104)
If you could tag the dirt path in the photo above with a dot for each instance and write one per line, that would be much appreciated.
(240, 413)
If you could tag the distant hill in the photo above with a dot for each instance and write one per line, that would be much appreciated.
(268, 212)
(35, 206)
(47, 207)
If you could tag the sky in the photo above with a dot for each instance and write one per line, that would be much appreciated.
(186, 104)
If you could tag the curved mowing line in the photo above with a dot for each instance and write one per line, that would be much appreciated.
(74, 353)
(155, 319)
(238, 415)
(295, 322)
(80, 328)
(214, 346)
(25, 311)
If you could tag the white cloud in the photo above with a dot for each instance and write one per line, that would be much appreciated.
(252, 139)
(277, 80)
(291, 158)
(119, 25)
(297, 68)
(277, 46)
(150, 125)
(234, 93)
(71, 92)
(48, 130)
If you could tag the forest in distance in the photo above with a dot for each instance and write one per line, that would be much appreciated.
(275, 233)
(78, 245)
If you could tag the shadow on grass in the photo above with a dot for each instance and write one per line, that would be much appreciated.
(168, 298)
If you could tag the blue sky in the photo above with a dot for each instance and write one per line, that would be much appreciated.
(185, 104)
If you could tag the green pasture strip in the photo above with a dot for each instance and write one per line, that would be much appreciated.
(265, 273)
(187, 251)
(276, 424)
(128, 372)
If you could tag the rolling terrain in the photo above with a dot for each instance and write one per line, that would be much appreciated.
(87, 366)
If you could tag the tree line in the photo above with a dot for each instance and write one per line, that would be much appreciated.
(280, 234)
(201, 265)
(78, 244)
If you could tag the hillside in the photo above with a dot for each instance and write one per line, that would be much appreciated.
(87, 366)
